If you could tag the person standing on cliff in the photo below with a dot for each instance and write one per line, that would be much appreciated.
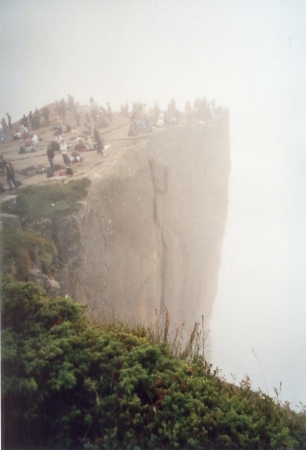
(99, 141)
(52, 147)
(9, 120)
(10, 174)
(64, 152)
(4, 125)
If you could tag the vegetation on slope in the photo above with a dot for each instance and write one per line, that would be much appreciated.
(54, 200)
(20, 250)
(68, 384)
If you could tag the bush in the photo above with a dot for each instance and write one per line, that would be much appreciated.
(68, 384)
(54, 200)
(21, 249)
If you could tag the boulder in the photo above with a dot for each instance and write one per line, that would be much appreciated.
(9, 221)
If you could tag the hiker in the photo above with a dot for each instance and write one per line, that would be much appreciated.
(58, 129)
(70, 102)
(24, 131)
(35, 140)
(27, 147)
(75, 157)
(87, 130)
(52, 148)
(99, 141)
(10, 174)
(87, 113)
(75, 133)
(17, 136)
(24, 121)
(4, 125)
(36, 119)
(9, 120)
(133, 131)
(66, 128)
(78, 114)
(62, 108)
(58, 137)
(89, 143)
(45, 113)
(161, 120)
(109, 113)
(80, 146)
(31, 120)
(64, 152)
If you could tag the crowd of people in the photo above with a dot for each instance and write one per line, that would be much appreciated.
(70, 140)
(144, 118)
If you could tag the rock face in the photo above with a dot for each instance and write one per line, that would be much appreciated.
(151, 230)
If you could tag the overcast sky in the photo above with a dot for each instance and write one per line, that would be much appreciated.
(150, 50)
(251, 56)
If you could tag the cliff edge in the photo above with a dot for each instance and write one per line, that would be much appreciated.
(150, 233)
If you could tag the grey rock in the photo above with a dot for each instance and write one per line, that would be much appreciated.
(10, 221)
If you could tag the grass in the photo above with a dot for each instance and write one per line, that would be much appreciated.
(185, 344)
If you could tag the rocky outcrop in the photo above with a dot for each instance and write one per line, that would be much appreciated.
(150, 233)
(9, 221)
(65, 233)
(48, 284)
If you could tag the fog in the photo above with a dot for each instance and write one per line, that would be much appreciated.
(258, 325)
(250, 56)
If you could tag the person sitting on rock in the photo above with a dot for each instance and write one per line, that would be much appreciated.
(66, 128)
(89, 143)
(80, 146)
(87, 130)
(75, 133)
(35, 140)
(58, 129)
(27, 147)
(76, 157)
(17, 136)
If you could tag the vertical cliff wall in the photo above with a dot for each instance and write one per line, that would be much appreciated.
(152, 228)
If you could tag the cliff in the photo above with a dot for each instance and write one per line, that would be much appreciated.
(150, 233)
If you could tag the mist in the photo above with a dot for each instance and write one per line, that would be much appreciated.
(258, 324)
(250, 56)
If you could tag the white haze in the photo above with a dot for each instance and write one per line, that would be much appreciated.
(250, 55)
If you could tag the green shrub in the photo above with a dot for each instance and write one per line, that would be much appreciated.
(67, 384)
(19, 250)
(54, 200)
